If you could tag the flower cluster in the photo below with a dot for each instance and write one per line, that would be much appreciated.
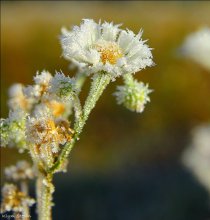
(53, 92)
(104, 47)
(13, 199)
(39, 116)
(48, 94)
(197, 47)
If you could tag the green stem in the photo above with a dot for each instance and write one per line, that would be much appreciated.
(98, 85)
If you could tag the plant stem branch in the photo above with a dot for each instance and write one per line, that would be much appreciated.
(99, 83)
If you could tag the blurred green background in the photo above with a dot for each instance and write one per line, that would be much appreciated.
(126, 165)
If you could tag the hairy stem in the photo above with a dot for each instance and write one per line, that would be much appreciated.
(98, 85)
(44, 199)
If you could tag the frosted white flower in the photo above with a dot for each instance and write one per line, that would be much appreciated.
(197, 156)
(133, 95)
(105, 48)
(197, 47)
(13, 199)
(61, 87)
(21, 171)
(47, 134)
(17, 99)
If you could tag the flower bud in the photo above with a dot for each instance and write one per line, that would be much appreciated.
(133, 95)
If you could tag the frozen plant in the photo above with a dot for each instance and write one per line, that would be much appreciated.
(39, 118)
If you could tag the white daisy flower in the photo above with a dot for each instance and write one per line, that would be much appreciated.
(105, 48)
(133, 95)
(197, 47)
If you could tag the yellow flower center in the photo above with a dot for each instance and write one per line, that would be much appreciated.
(110, 51)
(57, 108)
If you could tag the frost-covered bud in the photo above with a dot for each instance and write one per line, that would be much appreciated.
(13, 130)
(133, 95)
(61, 87)
(21, 171)
(104, 47)
(197, 47)
(17, 99)
(13, 199)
